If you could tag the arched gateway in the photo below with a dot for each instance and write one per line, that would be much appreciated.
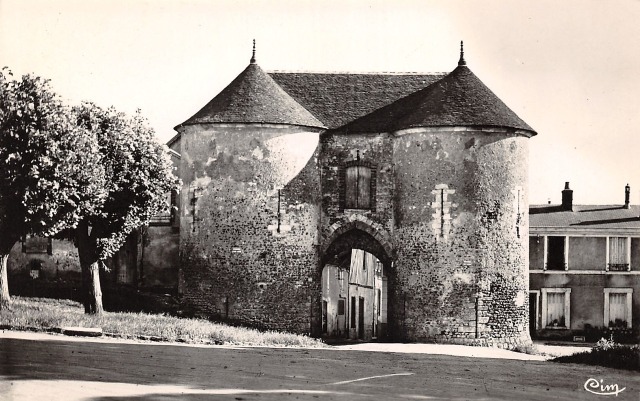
(356, 267)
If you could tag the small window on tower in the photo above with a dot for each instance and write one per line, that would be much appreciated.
(358, 187)
(341, 302)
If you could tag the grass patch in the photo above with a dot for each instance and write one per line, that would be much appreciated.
(610, 355)
(44, 314)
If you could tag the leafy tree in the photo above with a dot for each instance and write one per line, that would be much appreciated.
(49, 171)
(138, 175)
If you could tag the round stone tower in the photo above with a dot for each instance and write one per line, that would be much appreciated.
(248, 228)
(451, 168)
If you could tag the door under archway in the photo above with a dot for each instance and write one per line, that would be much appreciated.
(355, 288)
(354, 297)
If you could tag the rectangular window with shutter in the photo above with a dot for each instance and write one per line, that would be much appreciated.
(358, 187)
(618, 254)
(617, 307)
(556, 308)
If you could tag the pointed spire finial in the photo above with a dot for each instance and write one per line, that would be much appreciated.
(461, 61)
(253, 55)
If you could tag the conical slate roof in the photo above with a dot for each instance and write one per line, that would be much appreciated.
(254, 97)
(458, 99)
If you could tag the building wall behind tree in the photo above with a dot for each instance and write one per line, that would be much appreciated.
(62, 264)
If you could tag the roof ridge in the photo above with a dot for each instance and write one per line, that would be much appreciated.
(356, 72)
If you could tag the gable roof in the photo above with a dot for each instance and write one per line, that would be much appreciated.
(585, 216)
(254, 97)
(339, 98)
(458, 99)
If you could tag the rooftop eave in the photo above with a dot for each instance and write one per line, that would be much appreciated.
(583, 231)
(489, 129)
(261, 123)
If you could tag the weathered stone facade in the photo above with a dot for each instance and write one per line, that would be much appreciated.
(249, 225)
(266, 205)
(459, 272)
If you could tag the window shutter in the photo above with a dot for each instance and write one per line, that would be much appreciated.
(617, 308)
(351, 187)
(618, 250)
(364, 187)
(555, 308)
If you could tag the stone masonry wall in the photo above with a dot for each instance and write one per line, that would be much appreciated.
(454, 203)
(263, 204)
(249, 223)
(462, 235)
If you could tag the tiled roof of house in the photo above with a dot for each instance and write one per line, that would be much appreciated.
(339, 98)
(254, 97)
(585, 216)
(459, 99)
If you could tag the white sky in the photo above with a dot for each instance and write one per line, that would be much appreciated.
(570, 69)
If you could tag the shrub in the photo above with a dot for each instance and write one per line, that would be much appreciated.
(607, 353)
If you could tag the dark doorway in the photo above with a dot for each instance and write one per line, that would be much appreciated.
(324, 317)
(533, 313)
(361, 319)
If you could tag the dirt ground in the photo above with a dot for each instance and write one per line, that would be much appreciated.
(45, 367)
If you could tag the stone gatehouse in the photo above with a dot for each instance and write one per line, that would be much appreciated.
(286, 174)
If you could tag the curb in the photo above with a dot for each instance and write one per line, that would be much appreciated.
(81, 331)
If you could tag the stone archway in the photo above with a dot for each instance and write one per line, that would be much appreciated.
(378, 240)
(356, 262)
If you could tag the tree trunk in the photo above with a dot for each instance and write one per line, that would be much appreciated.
(93, 304)
(5, 298)
(90, 266)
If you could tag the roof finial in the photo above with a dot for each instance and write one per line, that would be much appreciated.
(462, 62)
(253, 55)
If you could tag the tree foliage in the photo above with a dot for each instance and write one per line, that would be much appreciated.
(138, 175)
(49, 171)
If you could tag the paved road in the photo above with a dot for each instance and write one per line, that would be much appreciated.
(61, 369)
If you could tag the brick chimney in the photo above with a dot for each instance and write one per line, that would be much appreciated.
(567, 198)
(627, 195)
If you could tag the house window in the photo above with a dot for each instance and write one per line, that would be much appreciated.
(341, 307)
(617, 307)
(556, 307)
(166, 216)
(556, 253)
(358, 187)
(619, 253)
